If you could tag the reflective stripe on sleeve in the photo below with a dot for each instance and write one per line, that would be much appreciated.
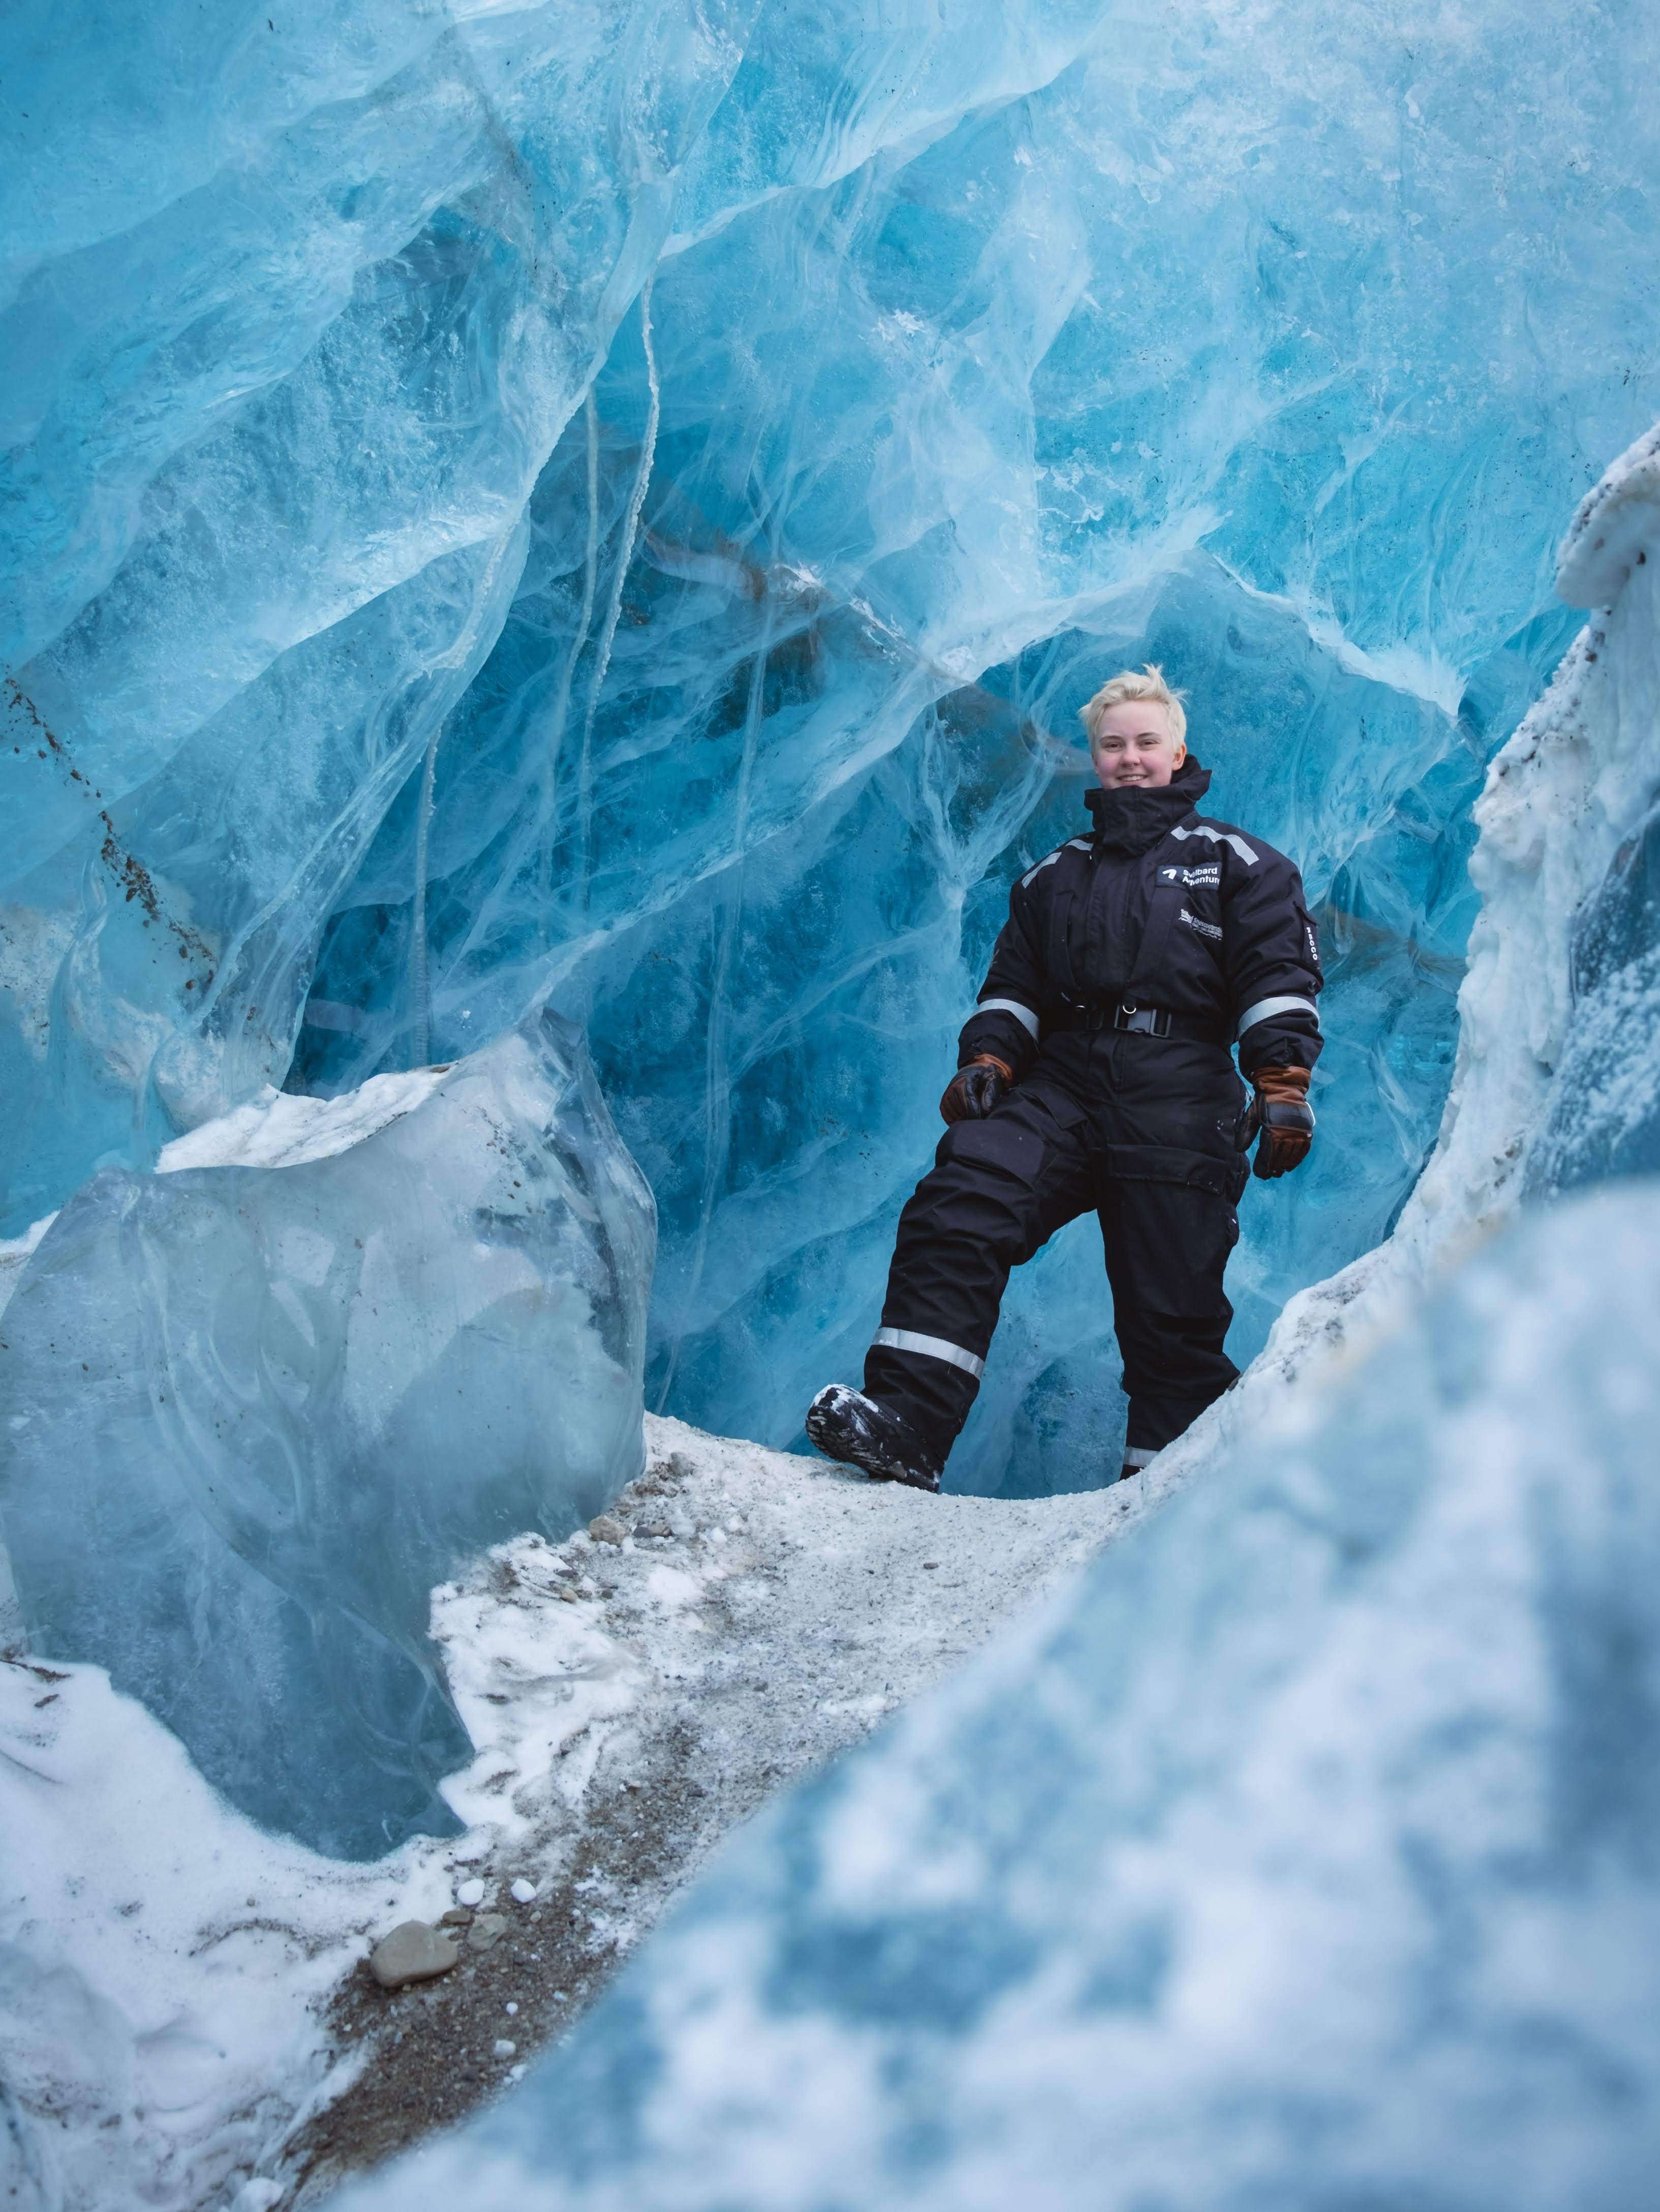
(1024, 1015)
(1220, 838)
(1264, 1007)
(931, 1347)
(1140, 1455)
(1072, 845)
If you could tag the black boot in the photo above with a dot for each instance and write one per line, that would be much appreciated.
(847, 1426)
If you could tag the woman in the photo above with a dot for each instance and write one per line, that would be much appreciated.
(1096, 1072)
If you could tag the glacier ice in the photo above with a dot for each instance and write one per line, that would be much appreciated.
(622, 500)
(1302, 1853)
(259, 1403)
(612, 506)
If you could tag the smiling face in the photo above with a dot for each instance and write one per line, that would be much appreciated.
(1134, 747)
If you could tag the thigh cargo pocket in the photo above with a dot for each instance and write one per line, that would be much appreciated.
(1000, 1142)
(1224, 1179)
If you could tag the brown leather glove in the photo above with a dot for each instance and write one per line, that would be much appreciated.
(1286, 1118)
(974, 1090)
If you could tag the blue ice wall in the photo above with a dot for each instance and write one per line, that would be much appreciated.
(627, 500)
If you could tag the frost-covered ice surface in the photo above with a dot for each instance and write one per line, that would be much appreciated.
(627, 498)
(258, 1406)
(1300, 1853)
(165, 1968)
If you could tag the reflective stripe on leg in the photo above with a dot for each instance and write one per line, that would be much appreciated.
(1140, 1455)
(931, 1347)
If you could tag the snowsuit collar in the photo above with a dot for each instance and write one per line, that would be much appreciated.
(1133, 822)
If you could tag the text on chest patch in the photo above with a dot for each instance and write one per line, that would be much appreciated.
(1206, 878)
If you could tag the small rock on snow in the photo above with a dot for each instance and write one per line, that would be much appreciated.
(604, 1530)
(412, 1952)
(522, 1891)
(489, 1928)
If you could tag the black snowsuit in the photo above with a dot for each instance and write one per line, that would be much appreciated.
(1129, 963)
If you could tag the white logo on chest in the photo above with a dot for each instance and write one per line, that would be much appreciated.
(1206, 878)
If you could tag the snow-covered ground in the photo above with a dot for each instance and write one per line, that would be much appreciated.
(181, 1995)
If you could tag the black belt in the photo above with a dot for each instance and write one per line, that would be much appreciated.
(1141, 1021)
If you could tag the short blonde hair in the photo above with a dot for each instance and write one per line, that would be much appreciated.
(1147, 682)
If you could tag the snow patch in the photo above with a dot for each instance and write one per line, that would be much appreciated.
(161, 1959)
(280, 1130)
(1615, 528)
